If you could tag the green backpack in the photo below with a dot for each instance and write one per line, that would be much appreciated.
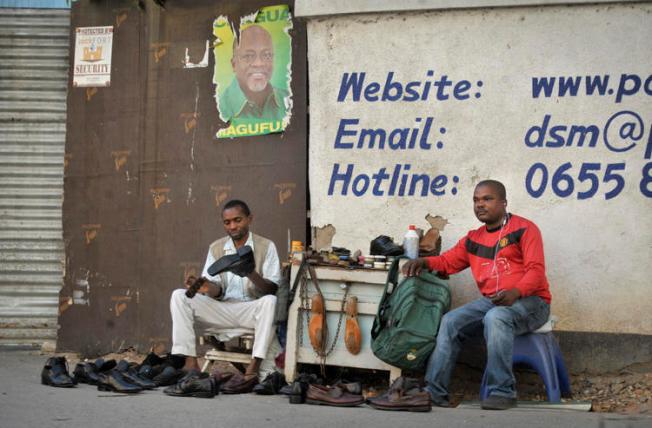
(406, 325)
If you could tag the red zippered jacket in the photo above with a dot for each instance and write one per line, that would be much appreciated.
(510, 257)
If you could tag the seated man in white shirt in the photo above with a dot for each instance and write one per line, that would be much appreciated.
(230, 301)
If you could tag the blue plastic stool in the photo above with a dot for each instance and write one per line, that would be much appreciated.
(541, 352)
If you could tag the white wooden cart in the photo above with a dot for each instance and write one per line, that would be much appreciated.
(367, 285)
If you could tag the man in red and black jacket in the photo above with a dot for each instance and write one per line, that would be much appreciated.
(506, 259)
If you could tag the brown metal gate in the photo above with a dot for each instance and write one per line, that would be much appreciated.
(145, 177)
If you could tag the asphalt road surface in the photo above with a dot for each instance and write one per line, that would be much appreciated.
(24, 402)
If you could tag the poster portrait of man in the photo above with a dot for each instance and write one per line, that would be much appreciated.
(252, 73)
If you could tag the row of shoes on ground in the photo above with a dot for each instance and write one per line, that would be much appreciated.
(107, 375)
(405, 394)
(203, 385)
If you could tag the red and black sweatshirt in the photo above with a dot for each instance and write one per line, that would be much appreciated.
(501, 259)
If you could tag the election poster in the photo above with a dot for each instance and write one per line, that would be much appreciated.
(253, 72)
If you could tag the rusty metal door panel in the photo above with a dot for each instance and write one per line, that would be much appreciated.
(146, 177)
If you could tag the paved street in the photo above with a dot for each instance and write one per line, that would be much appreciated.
(24, 402)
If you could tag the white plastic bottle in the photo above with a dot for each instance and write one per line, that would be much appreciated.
(411, 243)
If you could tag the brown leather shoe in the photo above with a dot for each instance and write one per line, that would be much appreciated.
(332, 396)
(238, 384)
(414, 402)
(404, 394)
(221, 377)
(352, 336)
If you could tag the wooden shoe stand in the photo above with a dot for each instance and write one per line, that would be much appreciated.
(367, 285)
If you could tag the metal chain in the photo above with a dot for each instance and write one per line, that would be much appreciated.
(303, 295)
(339, 323)
(305, 306)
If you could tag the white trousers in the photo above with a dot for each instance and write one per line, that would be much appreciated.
(207, 313)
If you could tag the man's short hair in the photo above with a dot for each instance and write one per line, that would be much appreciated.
(236, 203)
(496, 185)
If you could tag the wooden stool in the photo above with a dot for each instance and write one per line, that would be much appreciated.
(245, 339)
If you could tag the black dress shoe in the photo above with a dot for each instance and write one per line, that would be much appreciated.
(131, 375)
(298, 391)
(303, 378)
(116, 382)
(271, 385)
(86, 372)
(147, 372)
(55, 373)
(498, 402)
(194, 385)
(385, 246)
(169, 376)
(242, 263)
(152, 360)
(105, 366)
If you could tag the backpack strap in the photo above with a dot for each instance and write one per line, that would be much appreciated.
(392, 279)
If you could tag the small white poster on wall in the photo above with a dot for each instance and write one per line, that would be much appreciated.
(93, 47)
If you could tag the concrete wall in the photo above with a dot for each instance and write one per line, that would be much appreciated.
(489, 116)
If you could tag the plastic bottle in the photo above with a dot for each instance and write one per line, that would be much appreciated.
(411, 243)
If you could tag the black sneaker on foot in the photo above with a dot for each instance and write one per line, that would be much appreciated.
(498, 402)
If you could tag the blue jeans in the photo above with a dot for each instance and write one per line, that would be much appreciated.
(501, 324)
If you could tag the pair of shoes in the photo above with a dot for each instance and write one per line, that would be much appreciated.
(241, 263)
(55, 373)
(271, 385)
(194, 384)
(153, 366)
(332, 396)
(131, 375)
(352, 335)
(239, 384)
(302, 378)
(404, 394)
(297, 389)
(384, 246)
(498, 402)
(115, 381)
(88, 372)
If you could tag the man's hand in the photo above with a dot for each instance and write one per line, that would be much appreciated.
(414, 267)
(263, 285)
(506, 297)
(207, 288)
